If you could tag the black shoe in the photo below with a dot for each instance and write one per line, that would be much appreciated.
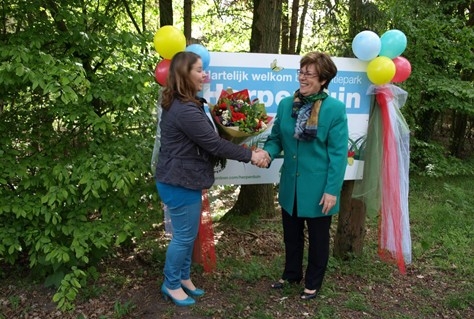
(280, 284)
(308, 296)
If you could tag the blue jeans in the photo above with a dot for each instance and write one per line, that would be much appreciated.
(184, 207)
(185, 223)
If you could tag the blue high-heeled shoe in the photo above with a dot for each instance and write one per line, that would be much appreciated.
(195, 293)
(182, 303)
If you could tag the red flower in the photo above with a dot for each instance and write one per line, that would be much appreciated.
(237, 116)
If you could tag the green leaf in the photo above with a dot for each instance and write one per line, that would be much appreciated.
(76, 283)
(122, 236)
(71, 294)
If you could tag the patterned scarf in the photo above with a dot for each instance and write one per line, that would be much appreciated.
(306, 111)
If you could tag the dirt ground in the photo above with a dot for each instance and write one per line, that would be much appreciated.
(129, 287)
(401, 295)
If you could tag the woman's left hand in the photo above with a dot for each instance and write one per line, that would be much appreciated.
(328, 201)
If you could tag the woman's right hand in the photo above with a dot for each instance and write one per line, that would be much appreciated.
(260, 158)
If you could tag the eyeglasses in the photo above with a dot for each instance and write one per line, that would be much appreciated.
(306, 74)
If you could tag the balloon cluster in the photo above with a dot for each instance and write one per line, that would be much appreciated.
(168, 41)
(383, 53)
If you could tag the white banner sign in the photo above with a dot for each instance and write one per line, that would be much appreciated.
(270, 78)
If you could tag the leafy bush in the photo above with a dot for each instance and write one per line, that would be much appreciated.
(429, 159)
(76, 135)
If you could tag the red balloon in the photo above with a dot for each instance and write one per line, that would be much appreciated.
(161, 71)
(402, 69)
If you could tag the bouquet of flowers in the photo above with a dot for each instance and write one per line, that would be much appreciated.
(237, 118)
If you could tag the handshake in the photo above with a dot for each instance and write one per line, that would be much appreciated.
(260, 158)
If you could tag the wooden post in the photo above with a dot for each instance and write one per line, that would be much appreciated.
(350, 235)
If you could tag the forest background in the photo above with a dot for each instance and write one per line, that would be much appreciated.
(78, 99)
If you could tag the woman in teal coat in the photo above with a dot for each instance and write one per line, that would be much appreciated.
(310, 128)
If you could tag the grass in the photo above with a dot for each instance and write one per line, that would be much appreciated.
(442, 219)
(121, 310)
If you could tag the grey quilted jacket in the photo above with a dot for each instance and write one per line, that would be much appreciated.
(188, 141)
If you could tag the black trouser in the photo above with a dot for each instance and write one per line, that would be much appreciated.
(318, 250)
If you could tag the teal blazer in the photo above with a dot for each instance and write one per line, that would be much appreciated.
(310, 168)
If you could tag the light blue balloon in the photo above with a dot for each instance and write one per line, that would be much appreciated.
(202, 52)
(394, 42)
(366, 45)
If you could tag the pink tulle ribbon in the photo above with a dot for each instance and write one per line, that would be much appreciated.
(384, 188)
(390, 223)
(204, 250)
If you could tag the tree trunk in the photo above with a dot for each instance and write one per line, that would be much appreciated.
(426, 120)
(285, 28)
(355, 17)
(187, 17)
(266, 26)
(461, 119)
(258, 198)
(458, 134)
(301, 31)
(166, 12)
(350, 235)
(265, 38)
(293, 26)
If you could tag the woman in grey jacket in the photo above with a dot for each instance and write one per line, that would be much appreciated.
(190, 149)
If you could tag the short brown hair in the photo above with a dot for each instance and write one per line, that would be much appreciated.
(177, 81)
(325, 66)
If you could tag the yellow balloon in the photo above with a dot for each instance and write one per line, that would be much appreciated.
(381, 70)
(168, 41)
